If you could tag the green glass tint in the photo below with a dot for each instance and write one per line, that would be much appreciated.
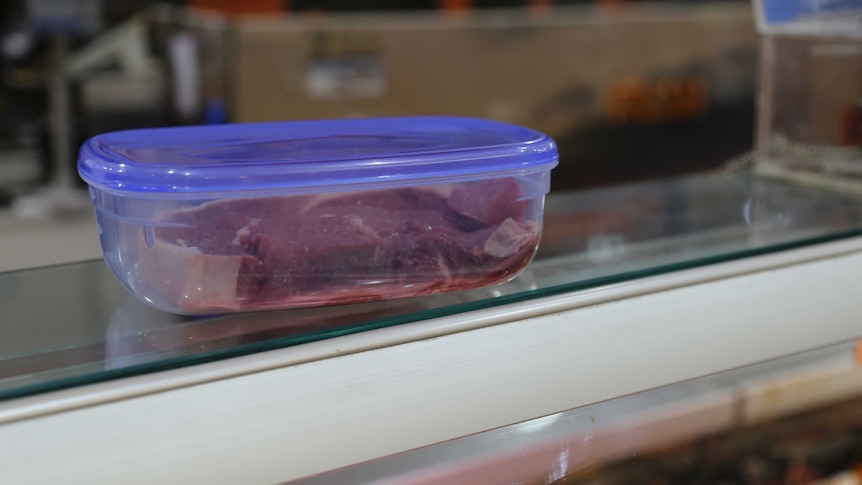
(74, 324)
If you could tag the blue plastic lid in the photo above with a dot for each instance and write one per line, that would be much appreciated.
(302, 156)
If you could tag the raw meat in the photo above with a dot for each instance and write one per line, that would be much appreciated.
(489, 201)
(276, 252)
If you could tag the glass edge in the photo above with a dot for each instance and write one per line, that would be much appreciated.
(448, 310)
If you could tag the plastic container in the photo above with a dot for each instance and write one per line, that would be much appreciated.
(293, 214)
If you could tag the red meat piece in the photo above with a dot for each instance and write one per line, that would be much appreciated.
(323, 249)
(489, 201)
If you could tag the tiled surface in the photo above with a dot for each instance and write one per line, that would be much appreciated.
(27, 243)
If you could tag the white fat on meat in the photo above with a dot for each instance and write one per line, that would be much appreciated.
(507, 240)
(243, 232)
(362, 227)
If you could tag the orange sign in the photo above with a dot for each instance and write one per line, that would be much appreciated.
(657, 100)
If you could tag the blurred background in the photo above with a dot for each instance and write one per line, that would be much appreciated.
(631, 90)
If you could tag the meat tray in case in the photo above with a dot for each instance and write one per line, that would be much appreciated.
(306, 213)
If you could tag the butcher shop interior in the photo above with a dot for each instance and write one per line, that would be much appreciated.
(598, 242)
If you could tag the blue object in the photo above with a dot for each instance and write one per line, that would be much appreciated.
(311, 156)
(215, 112)
(64, 16)
(786, 11)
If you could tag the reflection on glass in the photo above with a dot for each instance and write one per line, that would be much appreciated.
(138, 333)
(73, 324)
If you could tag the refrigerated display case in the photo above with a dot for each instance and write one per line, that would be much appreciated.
(644, 323)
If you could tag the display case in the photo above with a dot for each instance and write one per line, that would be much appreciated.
(635, 288)
(809, 126)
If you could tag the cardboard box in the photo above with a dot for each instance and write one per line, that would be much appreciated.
(576, 73)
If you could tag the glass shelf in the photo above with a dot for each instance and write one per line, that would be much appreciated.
(70, 325)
